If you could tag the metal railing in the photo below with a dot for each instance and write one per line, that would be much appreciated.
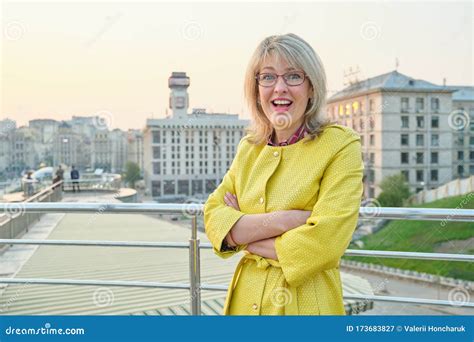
(194, 246)
(13, 221)
(91, 184)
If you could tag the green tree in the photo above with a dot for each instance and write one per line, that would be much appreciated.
(132, 173)
(395, 191)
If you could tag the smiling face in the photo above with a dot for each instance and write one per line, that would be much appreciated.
(283, 105)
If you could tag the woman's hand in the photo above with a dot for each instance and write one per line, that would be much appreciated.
(264, 248)
(231, 201)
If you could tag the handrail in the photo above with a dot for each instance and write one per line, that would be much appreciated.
(194, 245)
(428, 214)
(349, 252)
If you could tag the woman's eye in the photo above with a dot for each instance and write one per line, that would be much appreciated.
(293, 77)
(268, 77)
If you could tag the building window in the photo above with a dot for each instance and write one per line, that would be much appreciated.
(371, 192)
(372, 158)
(362, 140)
(420, 140)
(434, 175)
(420, 122)
(405, 122)
(435, 104)
(156, 188)
(156, 137)
(341, 110)
(372, 140)
(371, 176)
(348, 109)
(404, 157)
(419, 157)
(157, 168)
(404, 141)
(434, 140)
(420, 104)
(371, 106)
(461, 155)
(156, 152)
(406, 175)
(404, 104)
(460, 170)
(419, 176)
(471, 155)
(434, 157)
(434, 122)
(355, 107)
(471, 141)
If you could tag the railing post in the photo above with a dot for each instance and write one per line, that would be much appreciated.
(195, 269)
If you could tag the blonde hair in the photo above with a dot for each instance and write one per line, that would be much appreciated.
(299, 54)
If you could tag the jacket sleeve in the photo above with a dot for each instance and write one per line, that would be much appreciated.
(218, 217)
(319, 244)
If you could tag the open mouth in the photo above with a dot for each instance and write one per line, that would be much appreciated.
(281, 105)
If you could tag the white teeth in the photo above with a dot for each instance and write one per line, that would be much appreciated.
(282, 102)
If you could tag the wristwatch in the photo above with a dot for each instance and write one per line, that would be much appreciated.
(225, 247)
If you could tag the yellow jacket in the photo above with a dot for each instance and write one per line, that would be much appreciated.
(323, 175)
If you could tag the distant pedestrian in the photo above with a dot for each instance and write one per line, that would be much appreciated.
(75, 179)
(28, 183)
(60, 176)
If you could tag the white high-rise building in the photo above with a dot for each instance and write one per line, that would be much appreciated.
(188, 154)
(462, 118)
(404, 127)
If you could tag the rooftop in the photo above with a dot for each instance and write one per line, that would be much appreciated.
(391, 81)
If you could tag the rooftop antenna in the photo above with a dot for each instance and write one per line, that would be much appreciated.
(396, 64)
(351, 76)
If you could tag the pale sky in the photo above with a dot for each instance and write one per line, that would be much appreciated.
(61, 59)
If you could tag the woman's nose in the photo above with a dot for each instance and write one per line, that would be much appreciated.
(280, 85)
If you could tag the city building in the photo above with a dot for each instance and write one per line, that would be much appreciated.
(462, 121)
(109, 150)
(67, 147)
(188, 154)
(135, 148)
(404, 124)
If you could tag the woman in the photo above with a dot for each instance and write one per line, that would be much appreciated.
(291, 197)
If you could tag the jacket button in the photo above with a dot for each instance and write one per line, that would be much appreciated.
(276, 154)
(255, 306)
(261, 200)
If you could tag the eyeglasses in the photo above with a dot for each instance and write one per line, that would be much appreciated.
(291, 79)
